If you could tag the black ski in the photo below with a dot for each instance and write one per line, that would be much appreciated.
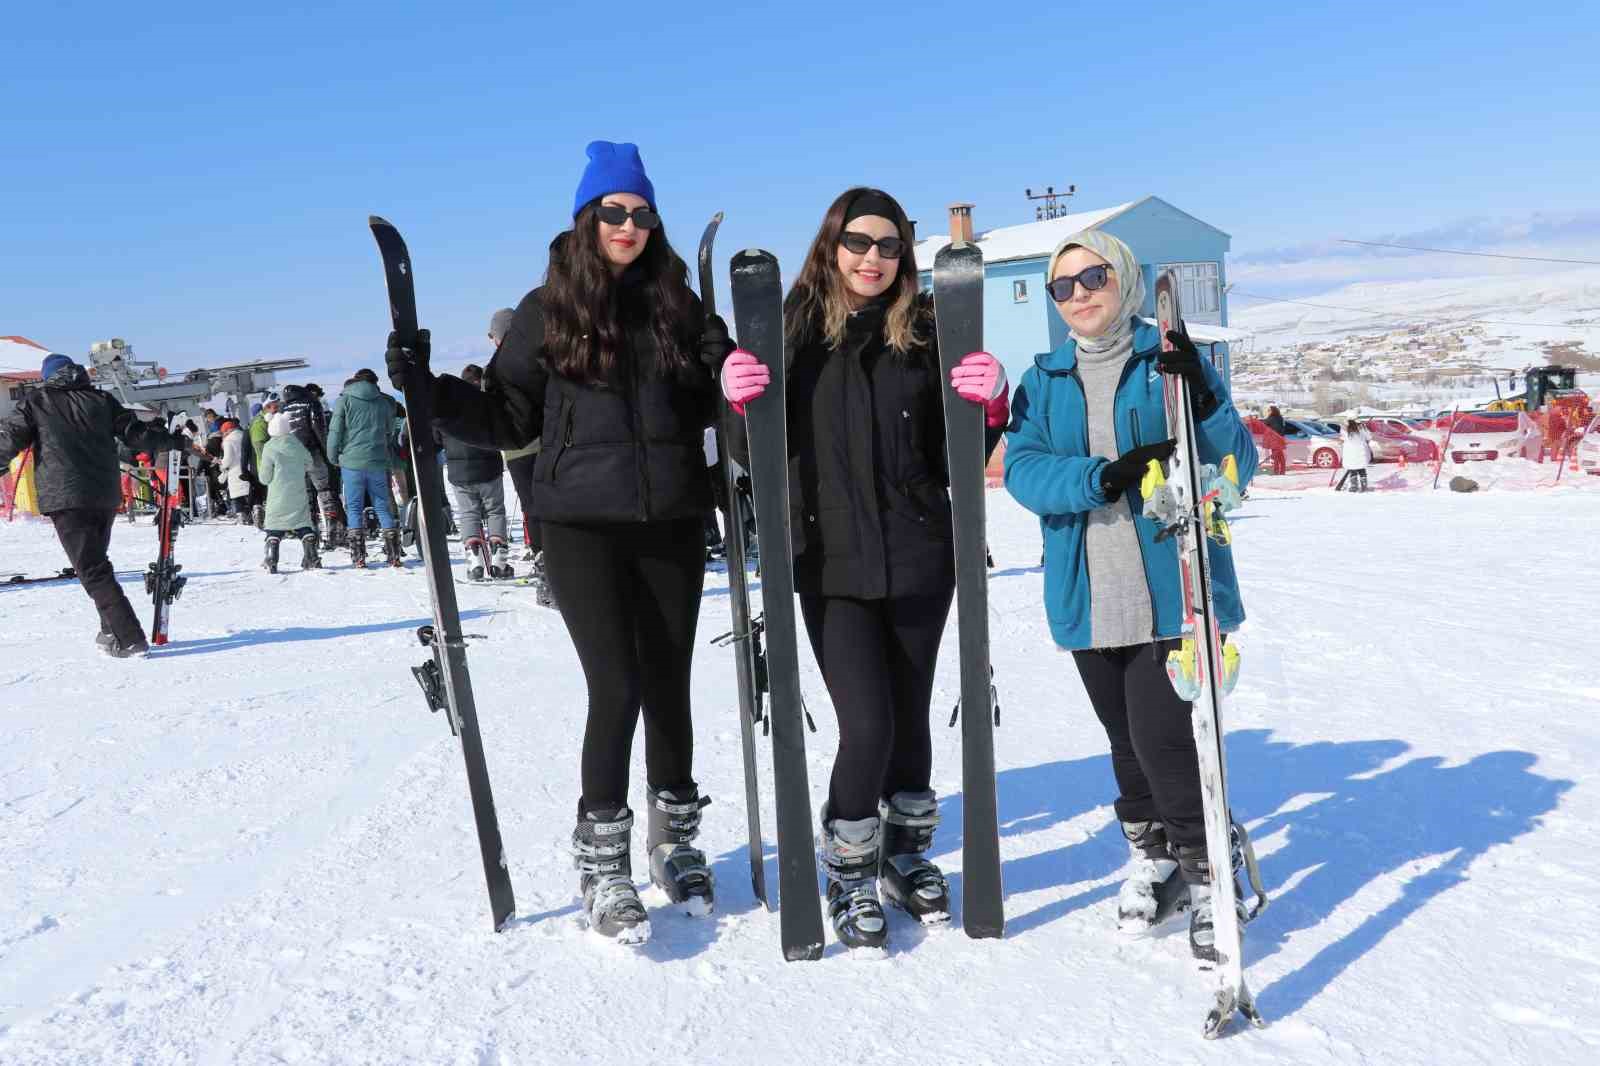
(758, 313)
(67, 573)
(958, 307)
(444, 678)
(746, 640)
(163, 581)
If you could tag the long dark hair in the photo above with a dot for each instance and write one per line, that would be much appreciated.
(818, 305)
(582, 327)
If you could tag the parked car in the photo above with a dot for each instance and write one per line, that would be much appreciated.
(1303, 444)
(1488, 435)
(1393, 440)
(1589, 449)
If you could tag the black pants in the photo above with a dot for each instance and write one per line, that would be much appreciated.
(1152, 743)
(85, 534)
(877, 658)
(1357, 479)
(630, 596)
(521, 470)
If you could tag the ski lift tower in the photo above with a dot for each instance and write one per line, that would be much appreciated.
(1050, 209)
(114, 366)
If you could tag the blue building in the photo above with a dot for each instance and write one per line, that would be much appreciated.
(1019, 318)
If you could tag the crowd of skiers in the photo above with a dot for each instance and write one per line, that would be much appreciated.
(612, 366)
(604, 380)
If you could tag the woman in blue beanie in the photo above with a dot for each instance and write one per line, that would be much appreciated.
(605, 364)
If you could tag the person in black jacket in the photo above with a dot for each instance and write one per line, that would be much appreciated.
(309, 424)
(873, 541)
(480, 494)
(74, 430)
(605, 364)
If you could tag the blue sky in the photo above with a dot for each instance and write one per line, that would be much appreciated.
(197, 180)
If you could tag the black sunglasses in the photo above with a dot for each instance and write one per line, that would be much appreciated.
(616, 215)
(1091, 278)
(861, 244)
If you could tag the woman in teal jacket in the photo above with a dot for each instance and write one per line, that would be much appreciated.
(1087, 419)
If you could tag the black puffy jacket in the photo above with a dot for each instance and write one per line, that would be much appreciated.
(74, 429)
(628, 451)
(467, 464)
(307, 420)
(868, 485)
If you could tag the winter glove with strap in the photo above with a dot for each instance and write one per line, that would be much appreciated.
(1120, 474)
(1184, 360)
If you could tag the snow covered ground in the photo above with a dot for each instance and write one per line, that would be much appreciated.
(255, 846)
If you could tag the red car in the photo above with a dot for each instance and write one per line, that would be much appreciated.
(1393, 441)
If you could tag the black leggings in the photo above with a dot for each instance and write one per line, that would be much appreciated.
(521, 471)
(1152, 742)
(630, 596)
(877, 658)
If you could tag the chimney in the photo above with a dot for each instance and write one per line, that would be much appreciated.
(960, 223)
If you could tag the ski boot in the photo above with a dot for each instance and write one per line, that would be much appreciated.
(258, 516)
(112, 646)
(910, 881)
(1154, 890)
(476, 570)
(1197, 873)
(269, 562)
(850, 857)
(393, 554)
(543, 594)
(600, 849)
(358, 548)
(309, 557)
(676, 868)
(500, 559)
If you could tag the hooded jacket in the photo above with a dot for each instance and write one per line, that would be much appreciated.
(1049, 470)
(74, 429)
(363, 421)
(284, 464)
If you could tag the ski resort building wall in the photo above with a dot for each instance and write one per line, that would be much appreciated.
(1020, 320)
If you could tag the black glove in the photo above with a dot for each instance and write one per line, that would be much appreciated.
(408, 355)
(715, 344)
(1118, 475)
(1184, 359)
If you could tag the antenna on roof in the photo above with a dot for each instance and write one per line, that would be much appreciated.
(1050, 209)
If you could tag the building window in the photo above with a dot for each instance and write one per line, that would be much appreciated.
(1019, 291)
(1199, 287)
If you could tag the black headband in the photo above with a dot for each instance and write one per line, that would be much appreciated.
(871, 202)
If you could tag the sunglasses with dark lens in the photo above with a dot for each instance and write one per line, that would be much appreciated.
(616, 215)
(1091, 278)
(861, 244)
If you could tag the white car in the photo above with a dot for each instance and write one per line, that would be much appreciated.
(1488, 435)
(1589, 449)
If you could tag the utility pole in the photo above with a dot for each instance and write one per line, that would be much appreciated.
(1050, 208)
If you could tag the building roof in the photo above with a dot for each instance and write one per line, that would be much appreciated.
(19, 354)
(1035, 240)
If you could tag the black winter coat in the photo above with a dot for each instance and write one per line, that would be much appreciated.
(74, 429)
(869, 492)
(307, 420)
(469, 465)
(631, 450)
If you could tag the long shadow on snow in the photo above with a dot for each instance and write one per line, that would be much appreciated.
(1357, 830)
(294, 634)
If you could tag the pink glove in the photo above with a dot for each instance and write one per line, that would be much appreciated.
(744, 378)
(979, 378)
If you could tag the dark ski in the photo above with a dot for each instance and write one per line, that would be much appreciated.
(746, 639)
(67, 573)
(758, 314)
(163, 581)
(444, 678)
(958, 310)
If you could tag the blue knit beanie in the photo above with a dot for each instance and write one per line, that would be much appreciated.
(255, 409)
(53, 362)
(612, 168)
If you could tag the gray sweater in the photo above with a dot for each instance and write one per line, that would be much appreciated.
(1119, 597)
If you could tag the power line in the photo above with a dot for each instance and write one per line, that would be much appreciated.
(1484, 255)
(1408, 315)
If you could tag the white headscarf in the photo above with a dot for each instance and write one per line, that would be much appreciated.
(1130, 287)
(278, 425)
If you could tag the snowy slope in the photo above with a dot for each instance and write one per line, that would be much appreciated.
(255, 846)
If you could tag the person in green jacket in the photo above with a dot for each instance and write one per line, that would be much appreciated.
(359, 444)
(259, 433)
(283, 466)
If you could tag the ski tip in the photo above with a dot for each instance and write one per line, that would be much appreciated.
(716, 219)
(378, 220)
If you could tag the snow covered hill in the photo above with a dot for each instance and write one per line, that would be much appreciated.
(255, 846)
